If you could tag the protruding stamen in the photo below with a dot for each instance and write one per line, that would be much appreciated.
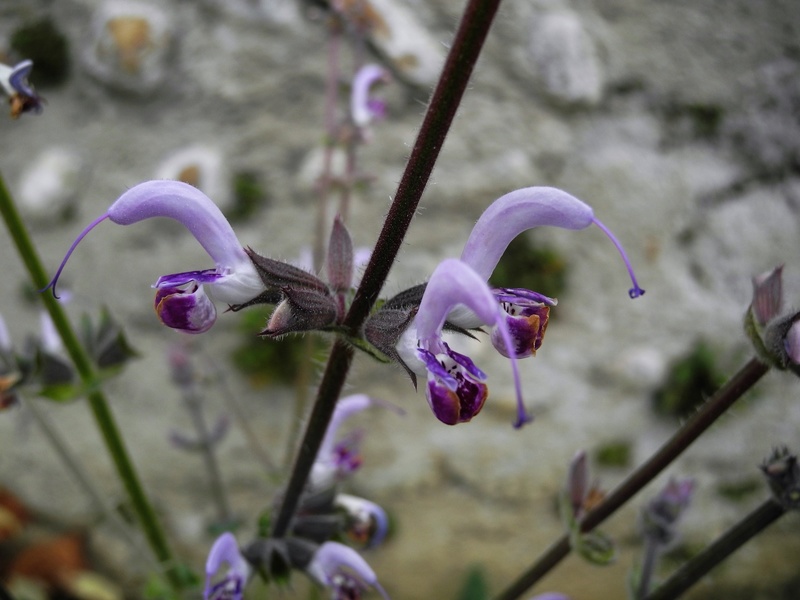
(635, 291)
(89, 227)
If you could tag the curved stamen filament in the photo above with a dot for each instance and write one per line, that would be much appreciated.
(89, 227)
(635, 291)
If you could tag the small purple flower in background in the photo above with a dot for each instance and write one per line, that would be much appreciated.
(661, 515)
(232, 583)
(551, 596)
(339, 457)
(22, 97)
(181, 300)
(343, 571)
(367, 522)
(364, 110)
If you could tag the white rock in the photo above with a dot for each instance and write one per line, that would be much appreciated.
(564, 58)
(268, 12)
(128, 46)
(202, 166)
(413, 51)
(49, 186)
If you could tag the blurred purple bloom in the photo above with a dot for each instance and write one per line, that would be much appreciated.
(367, 521)
(455, 387)
(363, 109)
(338, 457)
(231, 586)
(343, 571)
(14, 81)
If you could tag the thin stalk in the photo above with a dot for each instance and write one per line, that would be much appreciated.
(194, 406)
(714, 408)
(98, 404)
(232, 402)
(651, 549)
(84, 480)
(324, 185)
(691, 572)
(470, 36)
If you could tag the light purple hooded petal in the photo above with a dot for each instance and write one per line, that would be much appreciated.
(236, 279)
(363, 110)
(326, 466)
(231, 587)
(455, 283)
(518, 211)
(371, 516)
(524, 209)
(333, 558)
(6, 345)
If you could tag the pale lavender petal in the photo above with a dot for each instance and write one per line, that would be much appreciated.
(518, 211)
(791, 343)
(366, 512)
(19, 78)
(333, 558)
(51, 340)
(226, 551)
(207, 276)
(187, 205)
(454, 283)
(363, 110)
(6, 345)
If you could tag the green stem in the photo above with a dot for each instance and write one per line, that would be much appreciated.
(467, 44)
(714, 408)
(691, 572)
(97, 401)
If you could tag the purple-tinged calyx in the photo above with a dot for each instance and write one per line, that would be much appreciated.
(233, 280)
(364, 109)
(22, 96)
(367, 522)
(343, 571)
(232, 582)
(455, 389)
(524, 209)
(767, 295)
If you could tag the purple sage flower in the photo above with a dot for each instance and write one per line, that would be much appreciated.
(181, 299)
(526, 312)
(22, 96)
(232, 583)
(367, 522)
(343, 571)
(455, 389)
(338, 457)
(363, 109)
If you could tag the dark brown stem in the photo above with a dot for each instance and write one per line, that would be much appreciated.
(467, 45)
(715, 407)
(691, 572)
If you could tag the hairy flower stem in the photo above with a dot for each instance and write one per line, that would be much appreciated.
(691, 572)
(467, 45)
(97, 401)
(714, 408)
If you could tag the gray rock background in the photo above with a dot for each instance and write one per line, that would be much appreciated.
(679, 122)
